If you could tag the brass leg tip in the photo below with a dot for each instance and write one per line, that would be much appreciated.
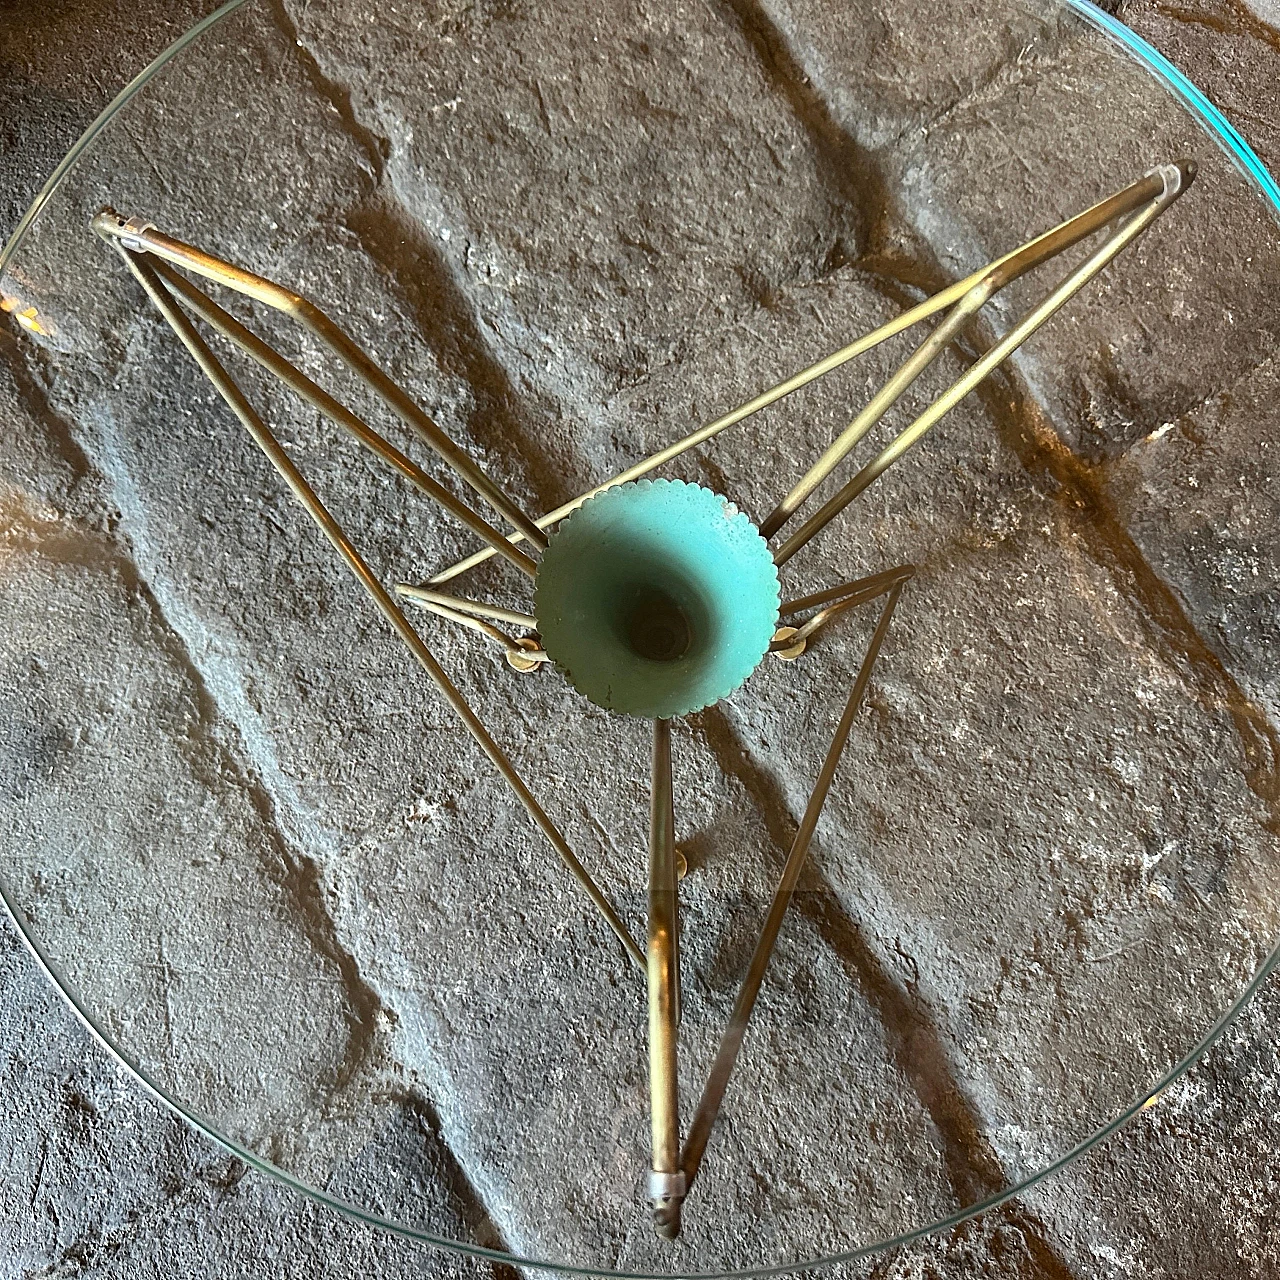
(666, 1194)
(666, 1218)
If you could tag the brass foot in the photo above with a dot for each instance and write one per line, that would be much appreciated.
(794, 651)
(521, 663)
(666, 1218)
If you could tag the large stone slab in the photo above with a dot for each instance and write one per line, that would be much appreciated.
(1045, 792)
(151, 846)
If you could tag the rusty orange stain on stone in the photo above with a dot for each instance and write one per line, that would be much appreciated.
(27, 317)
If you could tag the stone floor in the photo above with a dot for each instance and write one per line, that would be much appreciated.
(315, 962)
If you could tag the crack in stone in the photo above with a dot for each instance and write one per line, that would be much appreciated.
(35, 401)
(405, 250)
(1026, 428)
(376, 149)
(1077, 486)
(1216, 396)
(448, 322)
(303, 881)
(1007, 73)
(85, 1255)
(856, 183)
(995, 1239)
(463, 1191)
(1236, 21)
(221, 700)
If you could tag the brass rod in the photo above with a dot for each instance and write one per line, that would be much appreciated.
(664, 927)
(820, 620)
(271, 360)
(879, 404)
(525, 655)
(1060, 237)
(727, 1055)
(1164, 181)
(991, 279)
(144, 238)
(766, 398)
(840, 599)
(470, 621)
(1096, 262)
(462, 605)
(235, 398)
(864, 588)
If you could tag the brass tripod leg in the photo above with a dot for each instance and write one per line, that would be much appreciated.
(727, 1055)
(666, 1182)
(139, 237)
(235, 398)
(1145, 201)
(992, 277)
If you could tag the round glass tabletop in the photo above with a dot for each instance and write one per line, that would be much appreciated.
(347, 936)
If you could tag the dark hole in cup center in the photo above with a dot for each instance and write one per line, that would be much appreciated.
(656, 627)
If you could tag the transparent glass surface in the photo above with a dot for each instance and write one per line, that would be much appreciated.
(278, 877)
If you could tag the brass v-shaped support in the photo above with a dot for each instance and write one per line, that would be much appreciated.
(150, 279)
(670, 1180)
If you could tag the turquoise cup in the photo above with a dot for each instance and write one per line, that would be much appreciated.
(656, 598)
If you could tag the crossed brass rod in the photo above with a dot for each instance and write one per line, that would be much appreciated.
(524, 655)
(293, 377)
(666, 1182)
(470, 621)
(860, 589)
(848, 595)
(1176, 179)
(227, 388)
(1046, 245)
(140, 237)
(733, 417)
(479, 608)
(727, 1055)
